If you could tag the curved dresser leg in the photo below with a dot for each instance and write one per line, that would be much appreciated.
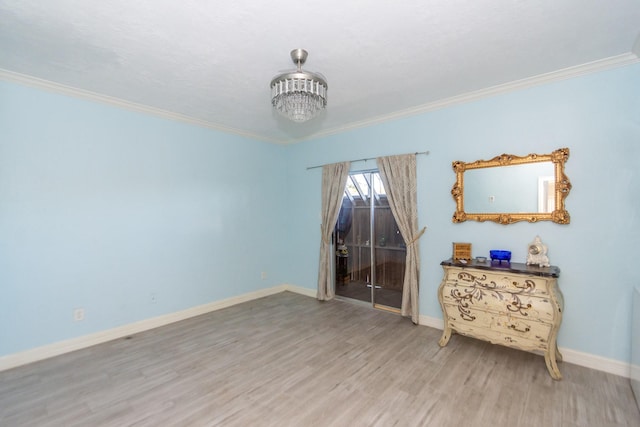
(552, 366)
(446, 335)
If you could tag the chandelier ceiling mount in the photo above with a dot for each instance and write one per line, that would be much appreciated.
(299, 95)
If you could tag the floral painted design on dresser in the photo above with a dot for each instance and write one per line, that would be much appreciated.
(481, 288)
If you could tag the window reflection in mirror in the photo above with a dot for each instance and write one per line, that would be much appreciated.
(514, 189)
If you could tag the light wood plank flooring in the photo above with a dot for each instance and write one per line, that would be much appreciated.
(289, 360)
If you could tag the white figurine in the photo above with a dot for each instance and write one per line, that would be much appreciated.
(537, 253)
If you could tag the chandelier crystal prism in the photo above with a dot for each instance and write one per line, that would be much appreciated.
(299, 95)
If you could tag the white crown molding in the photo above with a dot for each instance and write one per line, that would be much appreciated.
(566, 73)
(554, 76)
(58, 88)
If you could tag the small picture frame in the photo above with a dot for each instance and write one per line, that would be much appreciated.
(461, 251)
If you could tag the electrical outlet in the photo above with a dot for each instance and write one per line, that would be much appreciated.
(263, 275)
(492, 199)
(153, 297)
(78, 314)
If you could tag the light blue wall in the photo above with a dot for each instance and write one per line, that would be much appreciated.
(102, 208)
(597, 116)
(105, 209)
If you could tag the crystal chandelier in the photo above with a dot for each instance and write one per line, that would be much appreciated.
(299, 95)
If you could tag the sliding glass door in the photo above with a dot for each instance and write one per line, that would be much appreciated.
(370, 252)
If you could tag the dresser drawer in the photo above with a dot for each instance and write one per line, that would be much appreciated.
(500, 329)
(533, 285)
(508, 302)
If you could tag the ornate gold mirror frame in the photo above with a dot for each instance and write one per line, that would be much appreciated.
(562, 188)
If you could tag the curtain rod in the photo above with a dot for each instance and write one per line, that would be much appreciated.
(426, 153)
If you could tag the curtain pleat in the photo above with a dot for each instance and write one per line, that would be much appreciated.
(398, 175)
(334, 179)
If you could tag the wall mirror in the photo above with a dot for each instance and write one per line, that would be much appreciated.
(510, 188)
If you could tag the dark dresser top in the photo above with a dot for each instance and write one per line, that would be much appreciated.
(511, 267)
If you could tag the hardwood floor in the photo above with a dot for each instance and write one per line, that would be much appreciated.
(289, 360)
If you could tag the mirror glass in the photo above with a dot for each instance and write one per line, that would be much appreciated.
(510, 188)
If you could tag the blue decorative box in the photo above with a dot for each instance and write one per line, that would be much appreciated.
(500, 255)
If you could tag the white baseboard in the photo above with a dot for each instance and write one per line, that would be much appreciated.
(598, 363)
(432, 322)
(61, 347)
(586, 360)
(300, 290)
(40, 353)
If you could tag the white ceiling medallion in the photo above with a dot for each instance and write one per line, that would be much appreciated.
(299, 95)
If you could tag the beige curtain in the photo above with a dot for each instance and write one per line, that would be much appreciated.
(398, 175)
(334, 179)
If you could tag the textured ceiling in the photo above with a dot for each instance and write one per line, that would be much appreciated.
(213, 61)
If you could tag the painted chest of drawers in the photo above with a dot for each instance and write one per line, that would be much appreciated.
(510, 304)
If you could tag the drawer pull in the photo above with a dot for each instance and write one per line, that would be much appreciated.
(515, 328)
(517, 304)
